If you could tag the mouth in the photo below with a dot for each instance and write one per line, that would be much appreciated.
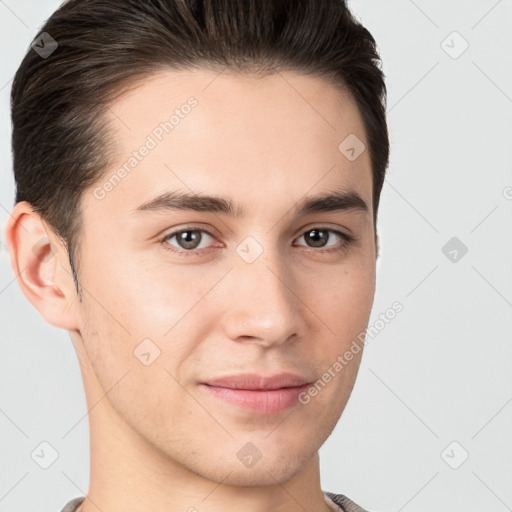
(257, 394)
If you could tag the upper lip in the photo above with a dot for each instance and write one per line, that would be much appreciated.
(255, 381)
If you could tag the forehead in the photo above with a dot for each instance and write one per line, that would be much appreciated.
(264, 104)
(227, 132)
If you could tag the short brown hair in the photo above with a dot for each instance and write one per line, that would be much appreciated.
(60, 140)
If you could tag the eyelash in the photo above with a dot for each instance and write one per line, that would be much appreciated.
(348, 240)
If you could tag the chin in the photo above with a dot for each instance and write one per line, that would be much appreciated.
(265, 475)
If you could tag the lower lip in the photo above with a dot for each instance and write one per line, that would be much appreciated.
(260, 401)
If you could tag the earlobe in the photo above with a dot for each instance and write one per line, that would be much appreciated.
(36, 261)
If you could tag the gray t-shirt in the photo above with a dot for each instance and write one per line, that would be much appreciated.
(344, 504)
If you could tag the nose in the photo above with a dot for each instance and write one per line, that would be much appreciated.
(262, 302)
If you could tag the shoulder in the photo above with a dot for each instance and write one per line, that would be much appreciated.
(72, 505)
(346, 504)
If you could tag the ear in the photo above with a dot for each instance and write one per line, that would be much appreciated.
(40, 262)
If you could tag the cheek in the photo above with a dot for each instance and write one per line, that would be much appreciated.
(143, 311)
(132, 362)
(143, 297)
(343, 297)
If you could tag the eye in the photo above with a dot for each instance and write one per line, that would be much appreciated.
(188, 239)
(319, 238)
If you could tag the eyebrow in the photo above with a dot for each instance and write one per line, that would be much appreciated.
(174, 200)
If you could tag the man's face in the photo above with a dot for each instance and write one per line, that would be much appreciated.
(270, 290)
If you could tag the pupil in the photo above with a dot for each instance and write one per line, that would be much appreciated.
(317, 237)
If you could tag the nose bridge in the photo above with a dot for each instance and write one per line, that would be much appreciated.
(263, 303)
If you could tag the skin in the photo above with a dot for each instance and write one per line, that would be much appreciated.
(158, 440)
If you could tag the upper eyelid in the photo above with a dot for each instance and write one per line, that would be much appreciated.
(322, 228)
(192, 227)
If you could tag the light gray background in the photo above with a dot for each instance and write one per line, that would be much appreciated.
(439, 372)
